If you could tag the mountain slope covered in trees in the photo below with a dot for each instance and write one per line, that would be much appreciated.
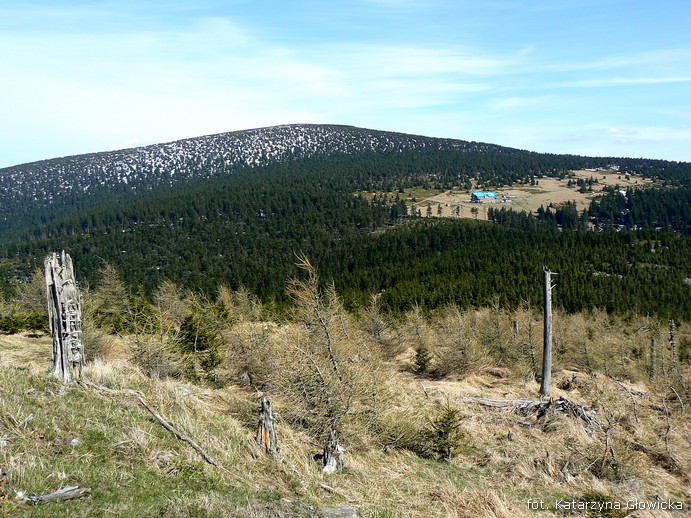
(39, 192)
(235, 209)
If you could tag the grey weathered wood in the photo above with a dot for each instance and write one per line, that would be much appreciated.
(497, 403)
(673, 346)
(334, 454)
(65, 493)
(163, 422)
(653, 358)
(266, 429)
(562, 405)
(546, 385)
(531, 346)
(65, 317)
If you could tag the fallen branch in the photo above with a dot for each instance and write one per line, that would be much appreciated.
(496, 403)
(105, 390)
(631, 395)
(681, 402)
(65, 493)
(424, 390)
(177, 433)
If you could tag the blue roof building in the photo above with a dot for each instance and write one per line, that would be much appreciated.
(484, 196)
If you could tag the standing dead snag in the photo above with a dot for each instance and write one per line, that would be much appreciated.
(673, 346)
(266, 431)
(545, 387)
(65, 317)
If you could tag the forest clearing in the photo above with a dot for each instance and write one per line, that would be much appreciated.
(529, 198)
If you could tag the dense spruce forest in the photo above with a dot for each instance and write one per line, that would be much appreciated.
(662, 209)
(346, 212)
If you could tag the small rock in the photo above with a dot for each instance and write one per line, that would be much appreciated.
(185, 391)
(346, 511)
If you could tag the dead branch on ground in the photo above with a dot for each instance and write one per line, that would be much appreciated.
(65, 493)
(177, 433)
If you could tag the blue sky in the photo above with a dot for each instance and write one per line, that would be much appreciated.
(592, 77)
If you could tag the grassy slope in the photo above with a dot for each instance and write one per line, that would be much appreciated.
(107, 442)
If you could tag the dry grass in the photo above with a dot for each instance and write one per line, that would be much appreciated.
(29, 350)
(504, 459)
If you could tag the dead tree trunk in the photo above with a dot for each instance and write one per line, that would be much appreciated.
(334, 453)
(531, 347)
(515, 330)
(653, 358)
(673, 347)
(266, 430)
(545, 387)
(65, 317)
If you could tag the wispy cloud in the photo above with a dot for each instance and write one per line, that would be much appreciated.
(608, 82)
(522, 102)
(423, 61)
(655, 59)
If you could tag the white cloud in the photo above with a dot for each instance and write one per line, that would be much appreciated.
(422, 61)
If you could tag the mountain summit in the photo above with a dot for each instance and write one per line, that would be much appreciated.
(164, 164)
(42, 184)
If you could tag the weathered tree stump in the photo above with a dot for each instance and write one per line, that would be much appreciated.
(65, 317)
(334, 454)
(266, 430)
